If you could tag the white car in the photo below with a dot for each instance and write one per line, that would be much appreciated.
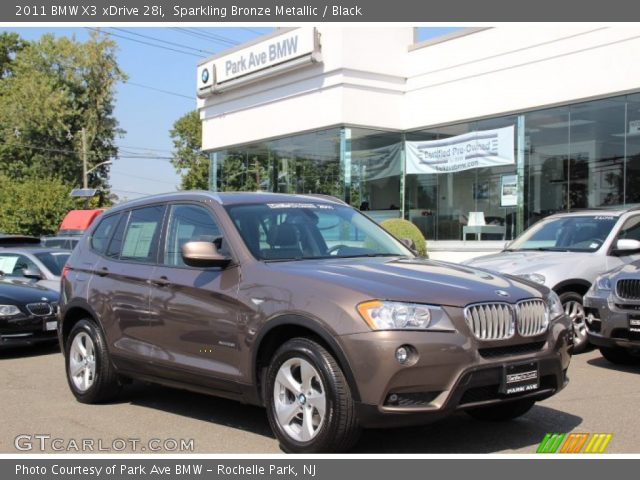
(34, 265)
(567, 251)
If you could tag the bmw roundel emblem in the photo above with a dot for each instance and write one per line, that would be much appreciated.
(205, 75)
(502, 293)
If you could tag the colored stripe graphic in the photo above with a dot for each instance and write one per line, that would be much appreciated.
(550, 443)
(573, 443)
(598, 443)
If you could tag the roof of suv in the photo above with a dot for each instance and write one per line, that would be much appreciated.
(609, 212)
(231, 198)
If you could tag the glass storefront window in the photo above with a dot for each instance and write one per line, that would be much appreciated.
(376, 171)
(584, 155)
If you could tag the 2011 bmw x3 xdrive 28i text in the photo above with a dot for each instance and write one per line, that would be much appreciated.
(306, 306)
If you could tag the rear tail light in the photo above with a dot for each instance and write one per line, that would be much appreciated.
(65, 270)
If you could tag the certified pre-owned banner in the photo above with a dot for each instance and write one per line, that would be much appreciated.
(485, 148)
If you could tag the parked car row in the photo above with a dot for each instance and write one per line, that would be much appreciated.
(566, 252)
(305, 306)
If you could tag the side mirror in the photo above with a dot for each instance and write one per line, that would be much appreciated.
(410, 244)
(626, 246)
(32, 273)
(203, 254)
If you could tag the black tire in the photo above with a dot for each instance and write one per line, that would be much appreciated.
(104, 382)
(619, 356)
(502, 411)
(339, 429)
(580, 339)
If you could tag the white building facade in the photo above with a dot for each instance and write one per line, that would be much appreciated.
(490, 127)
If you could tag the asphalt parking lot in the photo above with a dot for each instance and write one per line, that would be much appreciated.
(35, 399)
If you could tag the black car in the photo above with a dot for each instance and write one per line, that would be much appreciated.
(28, 314)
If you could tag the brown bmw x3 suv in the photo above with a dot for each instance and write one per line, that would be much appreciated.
(303, 305)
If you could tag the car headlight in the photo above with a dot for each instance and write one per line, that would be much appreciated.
(534, 277)
(382, 315)
(9, 310)
(554, 304)
(603, 283)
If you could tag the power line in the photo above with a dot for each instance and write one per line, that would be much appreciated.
(180, 45)
(252, 30)
(143, 178)
(175, 94)
(145, 43)
(207, 36)
(145, 148)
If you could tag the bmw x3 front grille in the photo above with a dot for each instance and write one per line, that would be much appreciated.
(498, 321)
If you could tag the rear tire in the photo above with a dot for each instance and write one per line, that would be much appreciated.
(574, 309)
(90, 372)
(619, 356)
(502, 411)
(308, 400)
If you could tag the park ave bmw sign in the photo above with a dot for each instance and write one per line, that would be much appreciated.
(286, 49)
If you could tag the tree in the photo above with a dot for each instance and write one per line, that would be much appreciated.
(188, 158)
(49, 92)
(10, 45)
(34, 206)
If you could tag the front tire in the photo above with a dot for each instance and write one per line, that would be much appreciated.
(619, 356)
(308, 400)
(90, 373)
(503, 411)
(573, 308)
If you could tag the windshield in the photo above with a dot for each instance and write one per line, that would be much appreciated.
(568, 234)
(54, 261)
(297, 231)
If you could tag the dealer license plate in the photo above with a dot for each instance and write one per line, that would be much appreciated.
(634, 327)
(520, 378)
(52, 325)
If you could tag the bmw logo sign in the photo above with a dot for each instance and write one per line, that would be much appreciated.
(502, 293)
(205, 75)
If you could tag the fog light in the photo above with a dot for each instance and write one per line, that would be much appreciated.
(402, 355)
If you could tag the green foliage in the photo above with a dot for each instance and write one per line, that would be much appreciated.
(400, 228)
(188, 158)
(34, 205)
(49, 90)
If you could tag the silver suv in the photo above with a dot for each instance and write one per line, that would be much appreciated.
(567, 251)
(612, 305)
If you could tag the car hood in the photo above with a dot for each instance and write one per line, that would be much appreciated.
(411, 280)
(517, 263)
(13, 293)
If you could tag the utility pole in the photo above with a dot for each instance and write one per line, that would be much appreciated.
(85, 179)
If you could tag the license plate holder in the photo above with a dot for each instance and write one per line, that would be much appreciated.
(634, 327)
(520, 378)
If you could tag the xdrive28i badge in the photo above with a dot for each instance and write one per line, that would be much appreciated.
(205, 75)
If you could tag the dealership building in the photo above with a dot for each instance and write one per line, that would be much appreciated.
(476, 134)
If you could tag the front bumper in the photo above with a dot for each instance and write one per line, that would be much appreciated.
(608, 322)
(452, 372)
(24, 330)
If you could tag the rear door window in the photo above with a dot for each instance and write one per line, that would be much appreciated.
(142, 234)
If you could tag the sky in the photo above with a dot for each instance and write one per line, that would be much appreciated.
(161, 66)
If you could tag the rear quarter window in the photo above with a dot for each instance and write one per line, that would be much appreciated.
(103, 232)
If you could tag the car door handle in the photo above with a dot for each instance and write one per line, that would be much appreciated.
(104, 271)
(159, 282)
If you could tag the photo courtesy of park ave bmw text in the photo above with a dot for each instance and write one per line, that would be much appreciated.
(313, 240)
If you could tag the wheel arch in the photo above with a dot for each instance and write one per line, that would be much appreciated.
(74, 312)
(286, 327)
(578, 285)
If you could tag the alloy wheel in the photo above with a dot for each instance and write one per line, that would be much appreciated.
(300, 399)
(575, 311)
(82, 362)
